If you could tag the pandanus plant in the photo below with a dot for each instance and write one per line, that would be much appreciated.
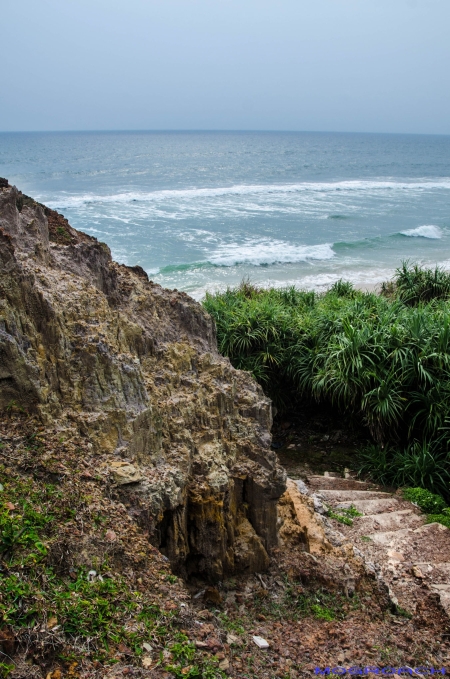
(381, 359)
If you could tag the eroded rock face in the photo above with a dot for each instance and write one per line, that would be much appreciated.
(88, 342)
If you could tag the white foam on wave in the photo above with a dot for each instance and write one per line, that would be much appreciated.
(66, 201)
(425, 231)
(267, 251)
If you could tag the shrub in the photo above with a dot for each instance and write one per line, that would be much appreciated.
(415, 284)
(378, 463)
(381, 359)
(422, 466)
(343, 289)
(429, 503)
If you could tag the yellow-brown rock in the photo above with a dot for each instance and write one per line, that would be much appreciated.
(300, 523)
(124, 473)
(94, 344)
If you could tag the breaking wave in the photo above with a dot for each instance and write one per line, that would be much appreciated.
(425, 231)
(266, 252)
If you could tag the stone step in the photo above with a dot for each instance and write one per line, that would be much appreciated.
(429, 543)
(433, 528)
(434, 573)
(350, 495)
(371, 506)
(441, 588)
(337, 483)
(444, 595)
(439, 573)
(392, 539)
(389, 521)
(445, 601)
(392, 533)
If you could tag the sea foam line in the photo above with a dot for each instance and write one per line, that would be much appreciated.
(248, 189)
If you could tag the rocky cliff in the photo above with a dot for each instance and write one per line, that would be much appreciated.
(101, 350)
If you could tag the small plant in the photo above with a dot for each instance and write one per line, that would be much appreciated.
(351, 511)
(20, 528)
(431, 504)
(344, 515)
(343, 289)
(298, 602)
(235, 626)
(183, 654)
(14, 407)
(322, 613)
(387, 289)
(415, 285)
(182, 650)
(402, 612)
(376, 462)
(5, 670)
(171, 578)
(422, 466)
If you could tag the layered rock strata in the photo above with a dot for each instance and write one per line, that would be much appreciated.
(96, 346)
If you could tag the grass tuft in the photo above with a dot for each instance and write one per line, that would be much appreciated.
(343, 515)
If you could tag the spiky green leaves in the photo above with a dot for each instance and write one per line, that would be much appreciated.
(382, 359)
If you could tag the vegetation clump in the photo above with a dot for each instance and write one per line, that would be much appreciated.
(81, 604)
(420, 464)
(344, 515)
(382, 359)
(431, 504)
(426, 501)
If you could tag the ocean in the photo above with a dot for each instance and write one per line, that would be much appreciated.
(202, 211)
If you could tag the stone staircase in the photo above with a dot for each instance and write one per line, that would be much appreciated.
(391, 535)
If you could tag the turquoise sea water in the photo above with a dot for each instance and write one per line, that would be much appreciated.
(202, 210)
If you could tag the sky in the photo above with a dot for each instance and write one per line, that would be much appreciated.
(330, 65)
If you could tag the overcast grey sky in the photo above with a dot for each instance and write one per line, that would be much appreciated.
(338, 65)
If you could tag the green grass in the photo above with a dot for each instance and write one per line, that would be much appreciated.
(5, 669)
(235, 626)
(32, 591)
(322, 613)
(92, 616)
(344, 516)
(401, 612)
(383, 360)
(183, 664)
(298, 602)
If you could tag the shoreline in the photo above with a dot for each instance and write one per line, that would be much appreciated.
(199, 296)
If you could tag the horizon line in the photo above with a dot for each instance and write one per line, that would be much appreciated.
(224, 130)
